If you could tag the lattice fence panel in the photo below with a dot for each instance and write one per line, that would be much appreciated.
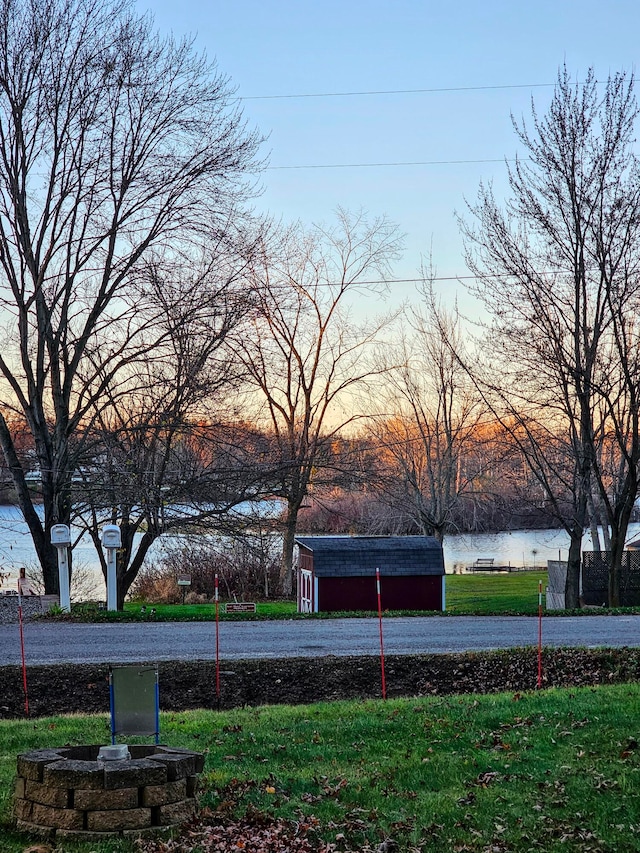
(595, 578)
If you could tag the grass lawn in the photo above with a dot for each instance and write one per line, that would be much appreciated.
(197, 612)
(478, 594)
(551, 771)
(484, 594)
(473, 594)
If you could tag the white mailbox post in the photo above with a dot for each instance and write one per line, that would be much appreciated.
(111, 541)
(61, 539)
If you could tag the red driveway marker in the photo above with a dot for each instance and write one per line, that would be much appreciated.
(217, 644)
(24, 667)
(539, 634)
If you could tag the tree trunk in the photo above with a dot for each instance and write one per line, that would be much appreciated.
(593, 524)
(618, 538)
(615, 570)
(288, 543)
(127, 571)
(46, 553)
(574, 561)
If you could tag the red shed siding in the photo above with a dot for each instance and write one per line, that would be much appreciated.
(414, 592)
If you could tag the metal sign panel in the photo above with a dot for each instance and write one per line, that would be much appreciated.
(240, 607)
(134, 701)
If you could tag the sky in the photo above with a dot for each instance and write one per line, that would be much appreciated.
(333, 85)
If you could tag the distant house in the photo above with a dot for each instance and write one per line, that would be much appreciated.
(339, 573)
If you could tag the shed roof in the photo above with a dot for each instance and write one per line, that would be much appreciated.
(361, 555)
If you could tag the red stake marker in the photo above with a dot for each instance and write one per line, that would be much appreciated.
(384, 684)
(217, 644)
(539, 634)
(24, 666)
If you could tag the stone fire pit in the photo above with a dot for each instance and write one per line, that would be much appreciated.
(69, 793)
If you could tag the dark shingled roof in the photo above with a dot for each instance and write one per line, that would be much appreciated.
(348, 556)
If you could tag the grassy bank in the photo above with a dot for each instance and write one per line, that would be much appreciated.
(500, 593)
(476, 594)
(549, 771)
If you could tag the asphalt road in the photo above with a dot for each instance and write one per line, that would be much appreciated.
(48, 643)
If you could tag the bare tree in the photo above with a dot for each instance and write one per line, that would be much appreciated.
(558, 272)
(154, 460)
(116, 148)
(430, 418)
(306, 354)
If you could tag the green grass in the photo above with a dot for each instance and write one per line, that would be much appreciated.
(484, 594)
(514, 593)
(551, 771)
(196, 612)
(133, 611)
(473, 594)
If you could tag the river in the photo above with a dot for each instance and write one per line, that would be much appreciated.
(512, 548)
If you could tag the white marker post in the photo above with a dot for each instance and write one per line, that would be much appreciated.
(217, 641)
(111, 541)
(61, 539)
(384, 682)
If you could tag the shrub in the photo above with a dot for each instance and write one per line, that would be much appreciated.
(247, 568)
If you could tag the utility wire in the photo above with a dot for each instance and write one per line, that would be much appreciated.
(377, 165)
(434, 278)
(395, 92)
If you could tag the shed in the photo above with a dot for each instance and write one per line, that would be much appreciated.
(338, 573)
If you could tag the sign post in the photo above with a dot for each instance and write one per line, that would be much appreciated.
(61, 539)
(184, 581)
(111, 541)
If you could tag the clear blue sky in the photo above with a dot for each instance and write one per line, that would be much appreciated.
(276, 48)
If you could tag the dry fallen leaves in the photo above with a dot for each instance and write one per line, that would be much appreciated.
(257, 837)
(209, 833)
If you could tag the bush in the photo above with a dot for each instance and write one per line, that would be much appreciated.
(247, 569)
(85, 583)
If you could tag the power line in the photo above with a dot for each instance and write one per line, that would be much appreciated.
(378, 165)
(468, 277)
(396, 92)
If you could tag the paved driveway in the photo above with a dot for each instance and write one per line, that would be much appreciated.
(47, 643)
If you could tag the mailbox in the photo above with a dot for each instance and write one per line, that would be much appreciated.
(111, 536)
(60, 535)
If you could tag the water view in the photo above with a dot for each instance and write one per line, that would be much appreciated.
(511, 548)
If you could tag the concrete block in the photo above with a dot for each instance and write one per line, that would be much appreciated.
(174, 813)
(160, 795)
(133, 774)
(46, 794)
(92, 800)
(63, 818)
(45, 833)
(110, 821)
(31, 765)
(22, 809)
(20, 787)
(74, 774)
